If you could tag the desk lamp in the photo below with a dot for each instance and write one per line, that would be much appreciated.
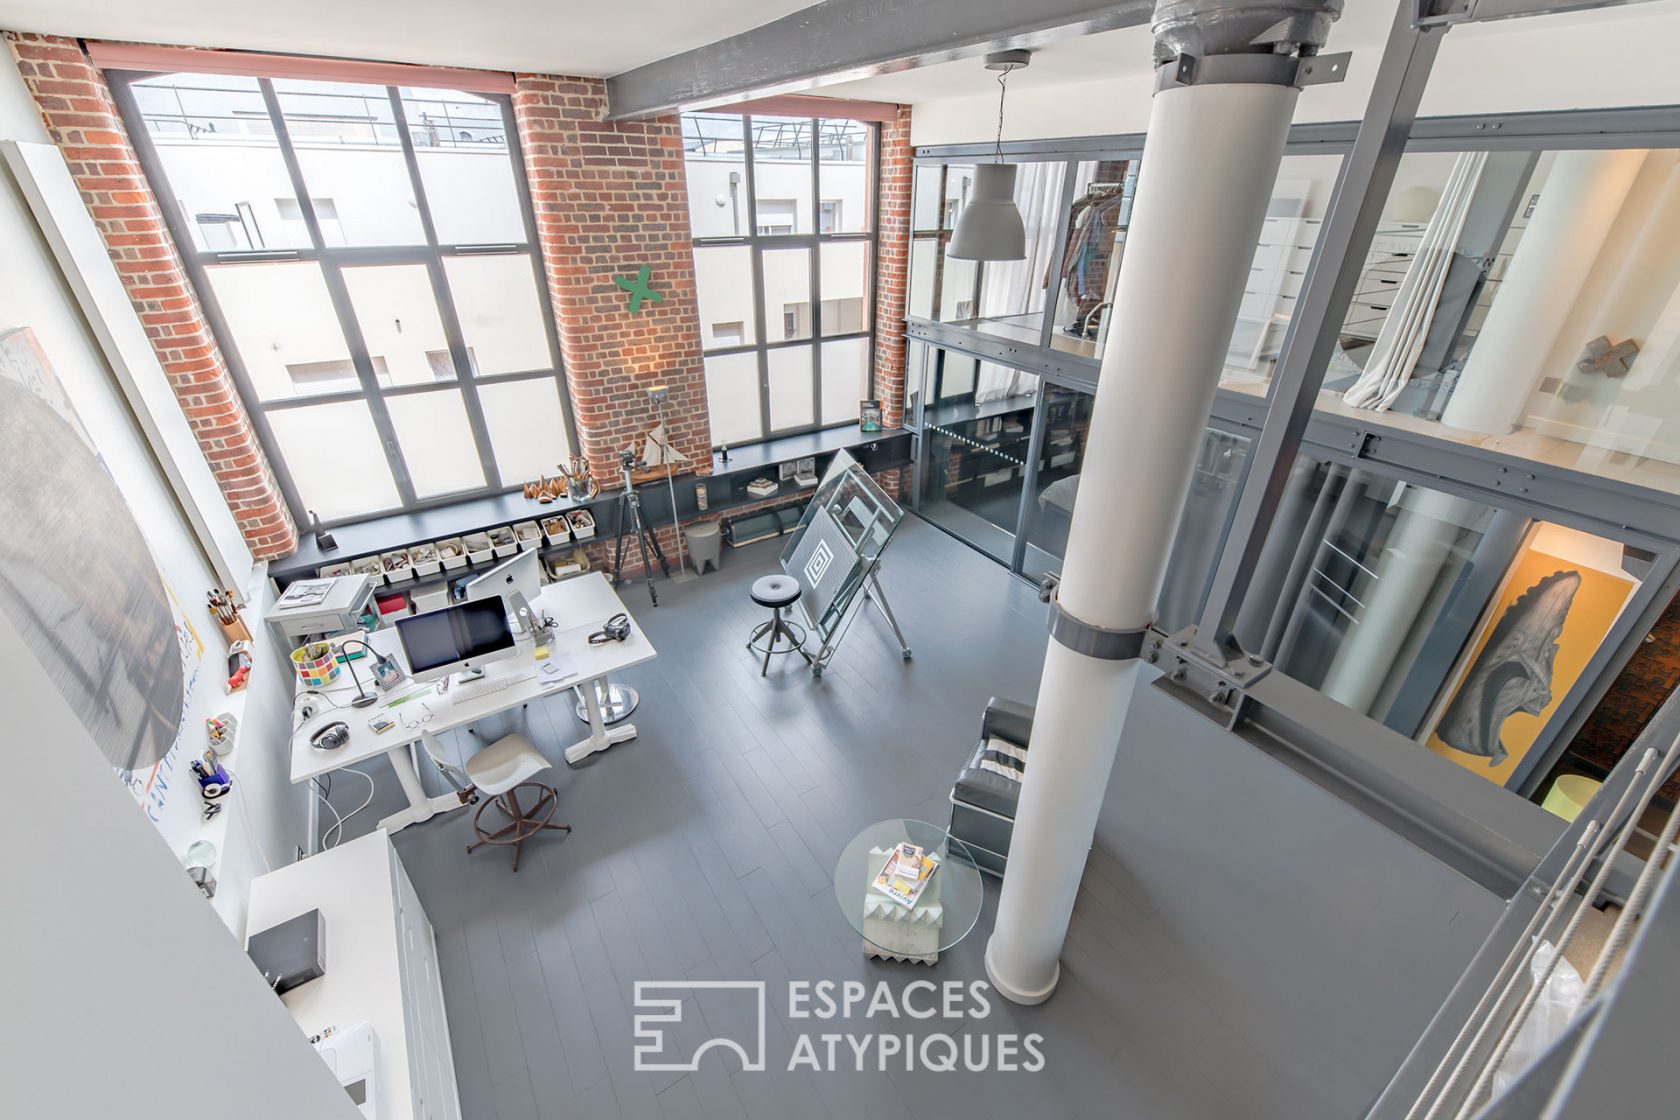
(382, 664)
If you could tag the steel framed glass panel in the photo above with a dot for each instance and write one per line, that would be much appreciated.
(367, 259)
(784, 216)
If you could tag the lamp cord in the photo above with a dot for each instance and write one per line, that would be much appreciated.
(1003, 90)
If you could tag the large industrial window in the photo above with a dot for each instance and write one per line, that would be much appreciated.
(367, 258)
(783, 214)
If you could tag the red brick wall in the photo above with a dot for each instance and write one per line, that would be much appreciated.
(609, 197)
(82, 120)
(892, 269)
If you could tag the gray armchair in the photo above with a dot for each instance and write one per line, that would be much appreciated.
(984, 800)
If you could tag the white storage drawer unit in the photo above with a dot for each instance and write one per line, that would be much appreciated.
(381, 968)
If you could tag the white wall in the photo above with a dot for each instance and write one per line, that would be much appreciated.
(123, 995)
(270, 811)
(1624, 58)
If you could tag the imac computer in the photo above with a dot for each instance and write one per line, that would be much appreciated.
(459, 639)
(518, 582)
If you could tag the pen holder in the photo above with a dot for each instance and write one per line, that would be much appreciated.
(222, 731)
(316, 664)
(234, 631)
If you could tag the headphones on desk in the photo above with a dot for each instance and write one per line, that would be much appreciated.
(331, 737)
(615, 629)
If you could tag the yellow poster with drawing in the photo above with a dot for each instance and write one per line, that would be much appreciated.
(1550, 617)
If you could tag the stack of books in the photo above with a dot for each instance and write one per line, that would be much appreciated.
(906, 874)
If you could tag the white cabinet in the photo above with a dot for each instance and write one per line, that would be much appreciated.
(381, 968)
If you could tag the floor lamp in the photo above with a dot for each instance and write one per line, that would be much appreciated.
(656, 397)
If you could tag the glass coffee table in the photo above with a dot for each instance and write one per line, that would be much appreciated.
(944, 912)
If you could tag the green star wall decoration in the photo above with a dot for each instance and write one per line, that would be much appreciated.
(639, 289)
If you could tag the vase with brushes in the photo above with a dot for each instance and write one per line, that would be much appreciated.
(573, 482)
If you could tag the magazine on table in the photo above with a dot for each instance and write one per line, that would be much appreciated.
(906, 874)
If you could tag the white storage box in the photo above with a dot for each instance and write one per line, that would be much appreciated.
(478, 547)
(433, 600)
(370, 566)
(398, 567)
(333, 571)
(423, 558)
(528, 535)
(557, 530)
(452, 553)
(503, 542)
(583, 524)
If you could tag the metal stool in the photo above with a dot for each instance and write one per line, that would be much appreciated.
(777, 593)
(502, 770)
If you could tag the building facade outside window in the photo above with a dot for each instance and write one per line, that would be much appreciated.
(783, 214)
(367, 258)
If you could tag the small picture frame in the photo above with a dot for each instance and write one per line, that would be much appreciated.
(869, 415)
(786, 471)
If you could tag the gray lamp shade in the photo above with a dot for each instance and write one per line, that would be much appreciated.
(990, 228)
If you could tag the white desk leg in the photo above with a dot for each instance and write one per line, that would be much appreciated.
(600, 735)
(420, 807)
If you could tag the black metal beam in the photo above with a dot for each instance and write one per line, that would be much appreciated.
(843, 40)
(1355, 210)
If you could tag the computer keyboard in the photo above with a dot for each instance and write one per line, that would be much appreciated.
(487, 686)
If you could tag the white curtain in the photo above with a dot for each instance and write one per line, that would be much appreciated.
(995, 383)
(1390, 364)
(1017, 287)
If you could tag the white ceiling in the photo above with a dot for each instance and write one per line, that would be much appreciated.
(589, 38)
(595, 38)
(1116, 54)
(1112, 54)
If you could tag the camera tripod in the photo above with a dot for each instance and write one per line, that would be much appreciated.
(630, 513)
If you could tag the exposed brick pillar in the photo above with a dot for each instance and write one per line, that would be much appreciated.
(892, 267)
(82, 120)
(610, 197)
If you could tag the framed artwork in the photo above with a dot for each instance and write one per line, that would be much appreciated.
(1544, 626)
(869, 416)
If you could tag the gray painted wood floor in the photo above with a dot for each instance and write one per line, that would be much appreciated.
(704, 851)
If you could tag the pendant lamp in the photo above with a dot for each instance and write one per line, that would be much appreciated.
(990, 228)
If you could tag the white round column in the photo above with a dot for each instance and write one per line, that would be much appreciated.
(1411, 563)
(1579, 202)
(1209, 161)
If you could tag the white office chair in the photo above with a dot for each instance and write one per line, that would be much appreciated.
(501, 770)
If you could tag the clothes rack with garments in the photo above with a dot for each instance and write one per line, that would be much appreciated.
(1096, 219)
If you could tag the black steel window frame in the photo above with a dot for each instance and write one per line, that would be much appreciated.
(332, 261)
(758, 244)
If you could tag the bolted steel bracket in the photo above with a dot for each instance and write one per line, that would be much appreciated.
(1082, 637)
(1254, 69)
(1217, 689)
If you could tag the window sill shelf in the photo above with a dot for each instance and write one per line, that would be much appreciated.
(726, 489)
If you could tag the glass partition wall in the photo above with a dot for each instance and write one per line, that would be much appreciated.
(1484, 517)
(1001, 452)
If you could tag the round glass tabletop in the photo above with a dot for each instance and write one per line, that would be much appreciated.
(911, 917)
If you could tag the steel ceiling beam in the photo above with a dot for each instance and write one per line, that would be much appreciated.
(844, 40)
(1431, 12)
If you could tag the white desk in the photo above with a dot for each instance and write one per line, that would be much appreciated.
(381, 968)
(578, 606)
